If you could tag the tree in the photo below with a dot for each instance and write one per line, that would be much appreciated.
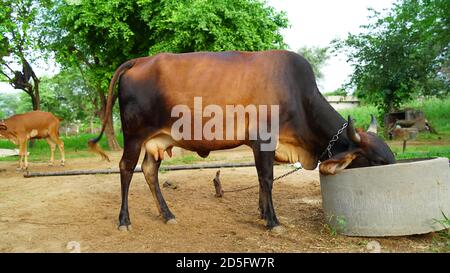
(67, 96)
(337, 92)
(97, 36)
(401, 54)
(317, 57)
(18, 45)
(8, 105)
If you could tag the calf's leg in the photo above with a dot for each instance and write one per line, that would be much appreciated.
(23, 157)
(55, 139)
(52, 150)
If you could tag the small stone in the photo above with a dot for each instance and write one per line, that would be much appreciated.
(170, 184)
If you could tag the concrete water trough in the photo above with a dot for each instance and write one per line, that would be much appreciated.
(410, 197)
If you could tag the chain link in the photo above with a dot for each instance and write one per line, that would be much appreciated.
(286, 174)
(333, 141)
(275, 179)
(328, 149)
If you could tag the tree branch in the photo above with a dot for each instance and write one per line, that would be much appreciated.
(9, 79)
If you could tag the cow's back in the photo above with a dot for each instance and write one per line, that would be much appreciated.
(32, 120)
(219, 78)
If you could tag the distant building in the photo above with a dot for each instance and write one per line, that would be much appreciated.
(341, 102)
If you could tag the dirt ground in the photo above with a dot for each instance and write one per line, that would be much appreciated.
(44, 214)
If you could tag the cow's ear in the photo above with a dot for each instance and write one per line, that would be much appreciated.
(338, 162)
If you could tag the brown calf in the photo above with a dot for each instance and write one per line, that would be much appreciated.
(32, 125)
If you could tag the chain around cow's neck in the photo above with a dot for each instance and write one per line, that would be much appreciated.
(333, 141)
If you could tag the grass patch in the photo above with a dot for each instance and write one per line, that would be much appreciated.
(420, 151)
(437, 112)
(441, 242)
(360, 114)
(188, 159)
(74, 146)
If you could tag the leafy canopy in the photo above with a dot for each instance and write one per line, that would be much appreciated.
(402, 54)
(99, 35)
(317, 57)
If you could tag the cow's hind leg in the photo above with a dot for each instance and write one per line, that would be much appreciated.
(55, 139)
(127, 165)
(264, 167)
(52, 150)
(150, 168)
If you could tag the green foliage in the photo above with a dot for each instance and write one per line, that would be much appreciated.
(216, 25)
(19, 44)
(317, 57)
(401, 54)
(441, 242)
(99, 35)
(67, 96)
(17, 25)
(8, 104)
(337, 92)
(335, 225)
(419, 151)
(436, 112)
(74, 146)
(360, 114)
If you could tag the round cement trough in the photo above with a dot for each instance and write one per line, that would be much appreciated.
(406, 198)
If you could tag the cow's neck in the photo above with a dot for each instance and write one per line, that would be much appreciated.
(326, 124)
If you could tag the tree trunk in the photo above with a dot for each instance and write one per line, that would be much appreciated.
(36, 99)
(33, 91)
(111, 136)
(109, 130)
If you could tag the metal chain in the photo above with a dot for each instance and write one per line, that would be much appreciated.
(275, 179)
(333, 141)
(328, 149)
(286, 174)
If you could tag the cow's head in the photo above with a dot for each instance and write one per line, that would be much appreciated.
(2, 126)
(3, 129)
(366, 149)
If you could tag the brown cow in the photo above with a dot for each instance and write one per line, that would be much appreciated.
(154, 91)
(32, 125)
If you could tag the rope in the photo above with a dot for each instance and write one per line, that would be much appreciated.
(275, 179)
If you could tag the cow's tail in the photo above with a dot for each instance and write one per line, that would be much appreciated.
(93, 143)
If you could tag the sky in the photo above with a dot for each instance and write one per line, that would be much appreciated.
(318, 22)
(313, 23)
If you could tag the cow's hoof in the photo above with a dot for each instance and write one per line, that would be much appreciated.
(125, 228)
(277, 230)
(62, 164)
(50, 164)
(171, 221)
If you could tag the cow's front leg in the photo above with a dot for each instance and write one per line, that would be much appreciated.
(22, 154)
(262, 213)
(264, 167)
